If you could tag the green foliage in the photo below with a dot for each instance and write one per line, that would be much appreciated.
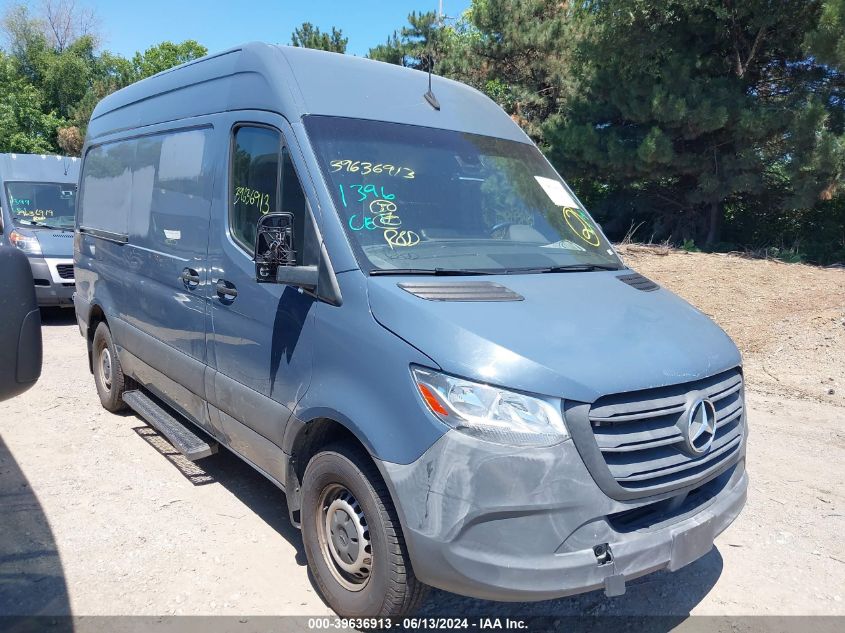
(690, 247)
(66, 76)
(310, 36)
(26, 125)
(162, 57)
(414, 45)
(700, 120)
(519, 52)
(827, 40)
(54, 75)
(390, 52)
(698, 101)
(704, 122)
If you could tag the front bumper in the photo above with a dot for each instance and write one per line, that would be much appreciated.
(50, 288)
(509, 524)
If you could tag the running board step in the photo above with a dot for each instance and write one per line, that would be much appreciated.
(183, 439)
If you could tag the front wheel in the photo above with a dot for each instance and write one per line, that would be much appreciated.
(353, 540)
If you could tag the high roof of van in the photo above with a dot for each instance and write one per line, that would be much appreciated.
(296, 82)
(38, 168)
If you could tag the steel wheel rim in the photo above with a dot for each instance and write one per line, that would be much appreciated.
(105, 368)
(344, 538)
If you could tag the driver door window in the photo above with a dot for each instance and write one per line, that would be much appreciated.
(255, 181)
(264, 181)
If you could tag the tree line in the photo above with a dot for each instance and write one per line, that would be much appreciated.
(54, 72)
(705, 123)
(718, 123)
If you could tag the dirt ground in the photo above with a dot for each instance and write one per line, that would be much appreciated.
(787, 319)
(99, 516)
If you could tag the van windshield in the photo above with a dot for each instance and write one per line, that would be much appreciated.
(47, 204)
(435, 200)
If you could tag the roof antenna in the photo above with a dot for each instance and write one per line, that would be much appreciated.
(429, 96)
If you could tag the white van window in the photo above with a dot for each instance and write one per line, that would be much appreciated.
(47, 204)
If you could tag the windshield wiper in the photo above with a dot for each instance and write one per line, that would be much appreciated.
(575, 268)
(444, 272)
(41, 225)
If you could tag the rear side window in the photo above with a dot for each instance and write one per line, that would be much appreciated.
(155, 190)
(171, 198)
(255, 181)
(107, 188)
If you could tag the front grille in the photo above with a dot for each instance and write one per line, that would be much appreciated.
(672, 509)
(65, 271)
(639, 434)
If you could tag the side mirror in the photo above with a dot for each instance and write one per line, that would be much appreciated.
(20, 334)
(275, 254)
(304, 277)
(274, 247)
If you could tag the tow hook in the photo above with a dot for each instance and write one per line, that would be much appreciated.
(614, 584)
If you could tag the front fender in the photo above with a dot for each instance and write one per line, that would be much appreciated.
(362, 379)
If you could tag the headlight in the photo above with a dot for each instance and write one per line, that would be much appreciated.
(491, 413)
(26, 242)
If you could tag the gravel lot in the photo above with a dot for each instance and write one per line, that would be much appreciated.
(98, 515)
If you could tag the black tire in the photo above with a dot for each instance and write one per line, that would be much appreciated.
(110, 381)
(390, 588)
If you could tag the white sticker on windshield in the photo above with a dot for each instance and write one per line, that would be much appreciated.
(566, 245)
(172, 235)
(557, 192)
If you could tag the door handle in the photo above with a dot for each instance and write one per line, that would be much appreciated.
(226, 290)
(190, 278)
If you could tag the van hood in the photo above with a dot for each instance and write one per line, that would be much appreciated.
(54, 242)
(574, 335)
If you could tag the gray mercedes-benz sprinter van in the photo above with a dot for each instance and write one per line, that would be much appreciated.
(38, 200)
(387, 301)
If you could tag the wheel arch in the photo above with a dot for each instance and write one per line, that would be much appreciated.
(96, 315)
(303, 440)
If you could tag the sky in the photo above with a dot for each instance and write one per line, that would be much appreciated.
(128, 27)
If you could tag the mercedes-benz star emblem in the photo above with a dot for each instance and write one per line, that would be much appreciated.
(700, 426)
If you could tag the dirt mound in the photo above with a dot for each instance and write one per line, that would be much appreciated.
(787, 319)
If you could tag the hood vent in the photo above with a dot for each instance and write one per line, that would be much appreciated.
(461, 291)
(639, 282)
(62, 234)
